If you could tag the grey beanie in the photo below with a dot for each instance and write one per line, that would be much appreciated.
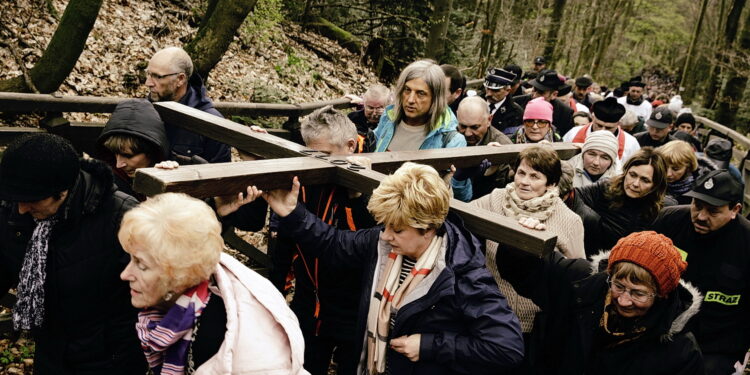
(602, 140)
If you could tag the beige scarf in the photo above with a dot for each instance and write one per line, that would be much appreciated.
(388, 298)
(540, 208)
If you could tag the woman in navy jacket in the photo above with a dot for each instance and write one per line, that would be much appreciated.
(429, 305)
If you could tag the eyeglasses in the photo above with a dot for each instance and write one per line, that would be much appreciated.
(374, 109)
(541, 124)
(635, 295)
(155, 76)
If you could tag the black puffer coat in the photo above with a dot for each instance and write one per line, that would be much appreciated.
(89, 325)
(571, 294)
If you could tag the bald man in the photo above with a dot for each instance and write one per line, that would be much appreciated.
(474, 123)
(170, 77)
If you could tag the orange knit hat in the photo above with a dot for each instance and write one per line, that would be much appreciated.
(655, 253)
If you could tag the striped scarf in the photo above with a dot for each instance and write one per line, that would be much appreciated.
(166, 337)
(387, 302)
(28, 311)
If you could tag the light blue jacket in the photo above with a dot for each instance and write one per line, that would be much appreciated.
(445, 136)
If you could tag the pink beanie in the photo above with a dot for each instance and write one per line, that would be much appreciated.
(538, 109)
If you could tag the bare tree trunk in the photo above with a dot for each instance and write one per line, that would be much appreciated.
(62, 52)
(552, 34)
(441, 14)
(217, 33)
(687, 96)
(736, 82)
(493, 10)
(730, 33)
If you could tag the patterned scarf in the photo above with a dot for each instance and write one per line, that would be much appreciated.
(166, 338)
(520, 136)
(389, 300)
(681, 187)
(29, 309)
(540, 208)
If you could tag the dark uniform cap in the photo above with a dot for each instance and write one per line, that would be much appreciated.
(717, 188)
(515, 69)
(584, 82)
(547, 80)
(660, 118)
(719, 150)
(539, 60)
(36, 167)
(497, 78)
(608, 110)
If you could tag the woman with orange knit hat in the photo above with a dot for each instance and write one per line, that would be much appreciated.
(623, 313)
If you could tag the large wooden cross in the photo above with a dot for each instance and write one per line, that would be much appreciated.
(285, 159)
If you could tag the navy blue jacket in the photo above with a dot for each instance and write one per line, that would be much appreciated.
(188, 144)
(465, 323)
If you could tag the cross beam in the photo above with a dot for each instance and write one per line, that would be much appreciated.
(314, 168)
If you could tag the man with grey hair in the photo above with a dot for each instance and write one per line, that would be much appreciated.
(374, 101)
(170, 77)
(420, 118)
(326, 300)
(474, 123)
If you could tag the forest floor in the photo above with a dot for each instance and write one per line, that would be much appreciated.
(267, 62)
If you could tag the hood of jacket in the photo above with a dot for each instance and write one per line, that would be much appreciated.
(681, 305)
(197, 95)
(138, 119)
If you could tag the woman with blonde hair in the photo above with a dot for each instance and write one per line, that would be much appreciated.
(203, 312)
(682, 164)
(429, 306)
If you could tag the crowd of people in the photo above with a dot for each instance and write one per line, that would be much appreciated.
(650, 273)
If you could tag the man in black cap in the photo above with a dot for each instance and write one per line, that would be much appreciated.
(634, 100)
(713, 238)
(581, 90)
(547, 85)
(59, 218)
(540, 63)
(659, 125)
(606, 115)
(506, 114)
(719, 151)
(515, 87)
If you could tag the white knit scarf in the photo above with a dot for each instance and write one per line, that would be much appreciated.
(540, 208)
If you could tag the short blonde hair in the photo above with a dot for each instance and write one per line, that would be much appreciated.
(414, 196)
(679, 153)
(181, 233)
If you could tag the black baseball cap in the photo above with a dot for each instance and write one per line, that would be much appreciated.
(660, 118)
(539, 60)
(717, 188)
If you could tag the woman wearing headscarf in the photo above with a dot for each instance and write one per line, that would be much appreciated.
(202, 311)
(429, 305)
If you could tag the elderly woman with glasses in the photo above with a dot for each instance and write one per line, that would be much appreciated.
(537, 124)
(623, 313)
(203, 312)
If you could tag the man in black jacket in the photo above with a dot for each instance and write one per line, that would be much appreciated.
(714, 238)
(506, 114)
(170, 77)
(59, 219)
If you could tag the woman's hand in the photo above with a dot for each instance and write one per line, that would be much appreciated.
(258, 129)
(448, 176)
(283, 202)
(408, 346)
(167, 164)
(228, 204)
(495, 144)
(531, 223)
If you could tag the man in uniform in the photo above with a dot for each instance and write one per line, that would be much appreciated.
(714, 240)
(506, 114)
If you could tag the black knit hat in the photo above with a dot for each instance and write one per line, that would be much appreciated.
(36, 167)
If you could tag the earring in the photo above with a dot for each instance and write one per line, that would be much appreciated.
(168, 296)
